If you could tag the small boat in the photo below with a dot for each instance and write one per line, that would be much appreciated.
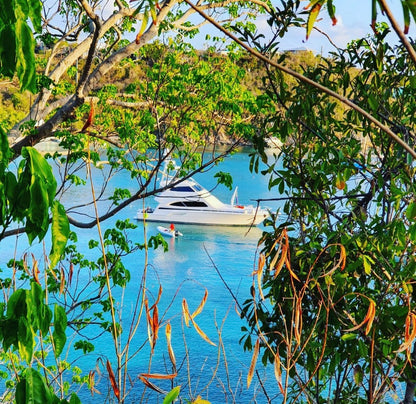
(189, 202)
(164, 231)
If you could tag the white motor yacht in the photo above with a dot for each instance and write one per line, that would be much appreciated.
(189, 202)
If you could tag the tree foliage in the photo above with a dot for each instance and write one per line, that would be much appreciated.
(334, 307)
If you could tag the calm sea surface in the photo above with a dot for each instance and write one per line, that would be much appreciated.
(215, 259)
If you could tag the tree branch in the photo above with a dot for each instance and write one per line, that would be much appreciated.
(47, 128)
(399, 32)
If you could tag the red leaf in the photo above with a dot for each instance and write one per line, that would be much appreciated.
(113, 380)
(158, 376)
(89, 119)
(71, 272)
(152, 386)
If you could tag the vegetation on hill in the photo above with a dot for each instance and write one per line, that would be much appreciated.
(133, 72)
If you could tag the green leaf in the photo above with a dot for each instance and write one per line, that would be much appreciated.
(3, 205)
(17, 44)
(34, 301)
(5, 152)
(25, 340)
(8, 55)
(37, 222)
(373, 14)
(406, 17)
(59, 335)
(35, 9)
(10, 183)
(7, 13)
(25, 57)
(9, 333)
(172, 395)
(331, 11)
(74, 399)
(224, 178)
(42, 170)
(38, 181)
(16, 306)
(86, 346)
(412, 7)
(32, 388)
(38, 312)
(60, 232)
(373, 102)
(411, 211)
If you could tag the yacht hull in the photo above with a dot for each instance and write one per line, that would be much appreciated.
(237, 217)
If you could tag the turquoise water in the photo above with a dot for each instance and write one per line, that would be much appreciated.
(194, 263)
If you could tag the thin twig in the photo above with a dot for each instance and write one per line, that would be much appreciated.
(223, 280)
(262, 387)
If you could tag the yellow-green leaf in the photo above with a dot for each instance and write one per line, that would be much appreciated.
(60, 233)
(358, 375)
(172, 395)
(367, 265)
(200, 400)
(348, 336)
(26, 340)
(313, 14)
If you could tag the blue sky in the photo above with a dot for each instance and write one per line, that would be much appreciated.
(354, 19)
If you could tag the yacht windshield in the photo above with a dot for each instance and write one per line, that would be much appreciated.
(190, 204)
(182, 188)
